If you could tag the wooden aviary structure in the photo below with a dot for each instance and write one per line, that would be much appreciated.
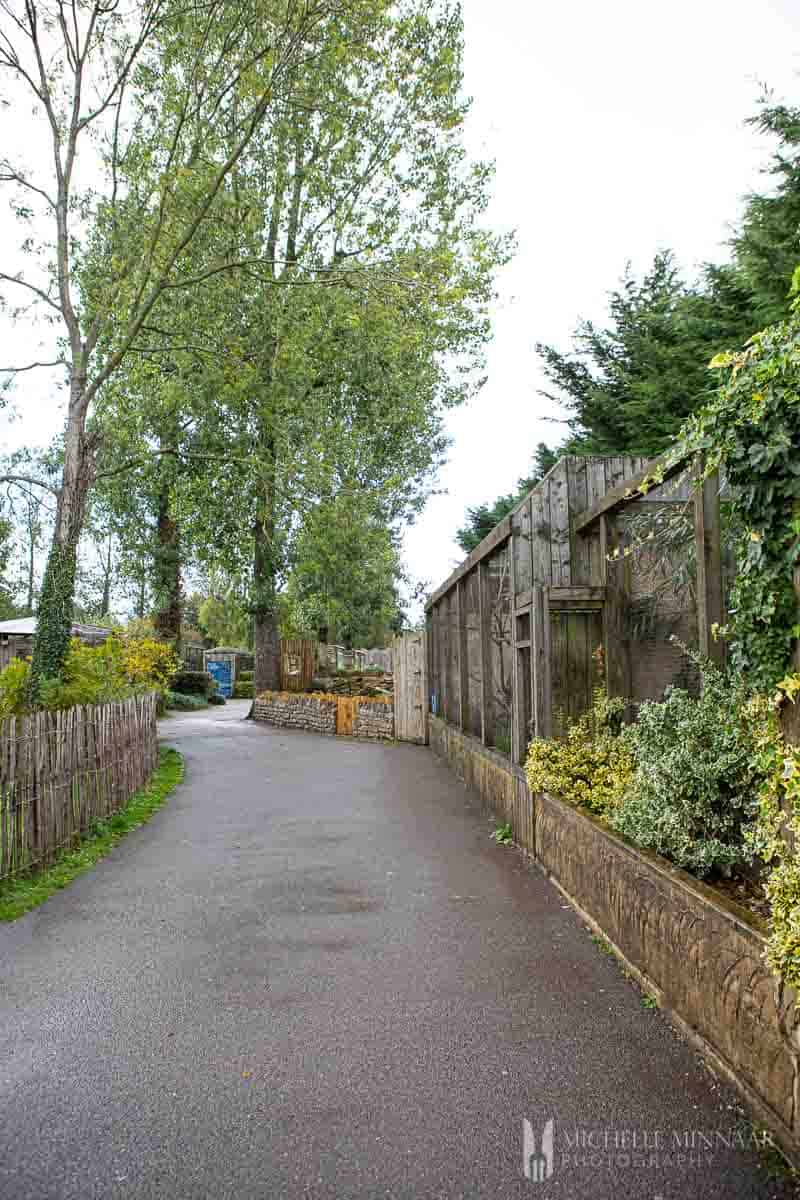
(550, 606)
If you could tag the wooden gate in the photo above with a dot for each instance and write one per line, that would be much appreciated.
(410, 688)
(298, 663)
(345, 714)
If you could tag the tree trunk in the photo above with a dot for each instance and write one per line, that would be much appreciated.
(267, 675)
(266, 638)
(31, 566)
(169, 589)
(54, 619)
(141, 599)
(105, 604)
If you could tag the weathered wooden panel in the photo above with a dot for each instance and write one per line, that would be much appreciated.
(540, 536)
(410, 688)
(558, 501)
(575, 640)
(298, 664)
(345, 715)
(577, 469)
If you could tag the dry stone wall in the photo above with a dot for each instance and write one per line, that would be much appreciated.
(293, 710)
(365, 717)
(374, 719)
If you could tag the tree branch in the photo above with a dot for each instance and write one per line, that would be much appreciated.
(32, 481)
(31, 288)
(58, 362)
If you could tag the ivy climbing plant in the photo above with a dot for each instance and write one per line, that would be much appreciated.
(751, 430)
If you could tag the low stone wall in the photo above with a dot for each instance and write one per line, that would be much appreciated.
(374, 719)
(701, 956)
(352, 716)
(295, 710)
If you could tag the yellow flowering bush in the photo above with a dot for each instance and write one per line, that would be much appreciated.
(117, 668)
(14, 687)
(591, 766)
(148, 663)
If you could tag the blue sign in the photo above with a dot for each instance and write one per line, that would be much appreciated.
(220, 669)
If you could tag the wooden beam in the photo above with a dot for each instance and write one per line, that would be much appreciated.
(444, 652)
(523, 601)
(708, 542)
(615, 639)
(517, 734)
(572, 596)
(428, 662)
(626, 491)
(499, 534)
(463, 673)
(485, 611)
(540, 659)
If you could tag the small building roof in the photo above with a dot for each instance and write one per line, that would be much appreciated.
(26, 627)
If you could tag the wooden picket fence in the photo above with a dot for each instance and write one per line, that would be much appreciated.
(62, 771)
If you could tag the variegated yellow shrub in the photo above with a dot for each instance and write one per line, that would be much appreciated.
(591, 766)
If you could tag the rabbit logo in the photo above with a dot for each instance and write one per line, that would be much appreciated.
(537, 1165)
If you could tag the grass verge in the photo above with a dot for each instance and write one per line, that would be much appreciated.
(18, 896)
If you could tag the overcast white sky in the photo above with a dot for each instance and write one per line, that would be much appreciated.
(617, 129)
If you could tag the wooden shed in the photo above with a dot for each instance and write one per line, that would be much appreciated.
(16, 637)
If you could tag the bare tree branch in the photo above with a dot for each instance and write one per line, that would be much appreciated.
(31, 288)
(32, 481)
(57, 362)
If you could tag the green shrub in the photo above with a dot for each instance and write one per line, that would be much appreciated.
(591, 766)
(216, 698)
(243, 691)
(694, 793)
(185, 701)
(192, 683)
(245, 677)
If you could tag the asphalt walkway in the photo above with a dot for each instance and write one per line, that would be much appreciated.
(312, 974)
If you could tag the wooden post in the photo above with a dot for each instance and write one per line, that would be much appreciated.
(540, 659)
(444, 652)
(430, 673)
(708, 542)
(790, 715)
(617, 645)
(463, 674)
(485, 610)
(516, 733)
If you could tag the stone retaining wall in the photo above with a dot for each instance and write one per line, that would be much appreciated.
(294, 710)
(374, 719)
(701, 956)
(353, 716)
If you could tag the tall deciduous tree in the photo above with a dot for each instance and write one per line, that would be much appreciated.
(334, 372)
(154, 105)
(346, 572)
